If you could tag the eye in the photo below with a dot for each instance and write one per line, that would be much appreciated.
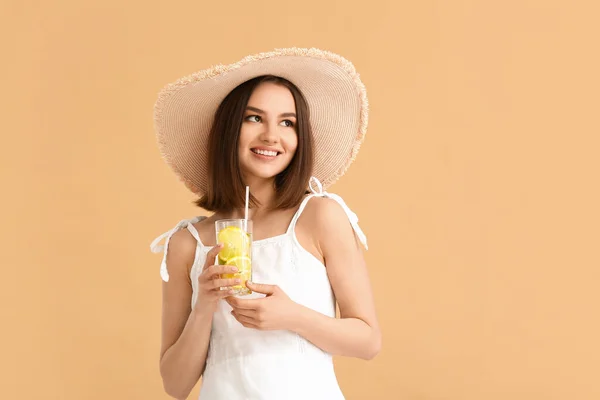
(253, 118)
(287, 123)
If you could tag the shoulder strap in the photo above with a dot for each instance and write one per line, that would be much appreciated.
(297, 214)
(155, 247)
(317, 191)
(194, 231)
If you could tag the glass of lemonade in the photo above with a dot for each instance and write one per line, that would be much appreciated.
(236, 237)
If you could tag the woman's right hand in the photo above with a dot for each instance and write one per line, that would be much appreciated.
(210, 282)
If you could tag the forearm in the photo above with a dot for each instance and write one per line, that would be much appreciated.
(350, 337)
(183, 363)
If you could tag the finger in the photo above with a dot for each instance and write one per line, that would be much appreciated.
(214, 271)
(210, 290)
(224, 293)
(246, 321)
(243, 304)
(211, 255)
(220, 292)
(252, 314)
(262, 288)
(217, 283)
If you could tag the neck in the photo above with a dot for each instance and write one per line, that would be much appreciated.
(263, 190)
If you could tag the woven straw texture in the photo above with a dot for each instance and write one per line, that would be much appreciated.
(336, 96)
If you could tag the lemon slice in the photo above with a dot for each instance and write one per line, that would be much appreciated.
(244, 266)
(236, 243)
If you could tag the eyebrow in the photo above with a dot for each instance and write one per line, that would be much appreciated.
(258, 110)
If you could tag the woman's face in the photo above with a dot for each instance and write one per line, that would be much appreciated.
(268, 138)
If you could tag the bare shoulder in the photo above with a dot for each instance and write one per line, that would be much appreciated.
(206, 230)
(326, 214)
(181, 253)
(330, 223)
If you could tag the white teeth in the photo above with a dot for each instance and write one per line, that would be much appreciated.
(265, 152)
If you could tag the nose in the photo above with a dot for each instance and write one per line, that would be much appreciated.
(270, 134)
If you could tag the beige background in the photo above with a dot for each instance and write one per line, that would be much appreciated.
(477, 187)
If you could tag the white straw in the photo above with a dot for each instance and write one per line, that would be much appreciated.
(247, 197)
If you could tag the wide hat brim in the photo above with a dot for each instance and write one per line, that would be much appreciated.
(337, 99)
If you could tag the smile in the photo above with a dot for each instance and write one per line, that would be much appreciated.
(267, 153)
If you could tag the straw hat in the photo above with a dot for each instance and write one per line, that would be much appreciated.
(336, 97)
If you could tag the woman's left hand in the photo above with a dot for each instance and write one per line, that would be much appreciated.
(273, 312)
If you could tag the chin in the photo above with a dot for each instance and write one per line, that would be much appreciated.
(265, 174)
(263, 171)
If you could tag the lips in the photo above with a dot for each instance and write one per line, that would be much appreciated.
(266, 153)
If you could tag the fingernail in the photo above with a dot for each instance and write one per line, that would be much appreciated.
(238, 281)
(234, 269)
(249, 282)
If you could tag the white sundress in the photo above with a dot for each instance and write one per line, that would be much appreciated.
(250, 364)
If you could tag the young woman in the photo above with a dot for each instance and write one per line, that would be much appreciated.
(281, 123)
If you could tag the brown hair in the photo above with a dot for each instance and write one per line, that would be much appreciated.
(225, 189)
